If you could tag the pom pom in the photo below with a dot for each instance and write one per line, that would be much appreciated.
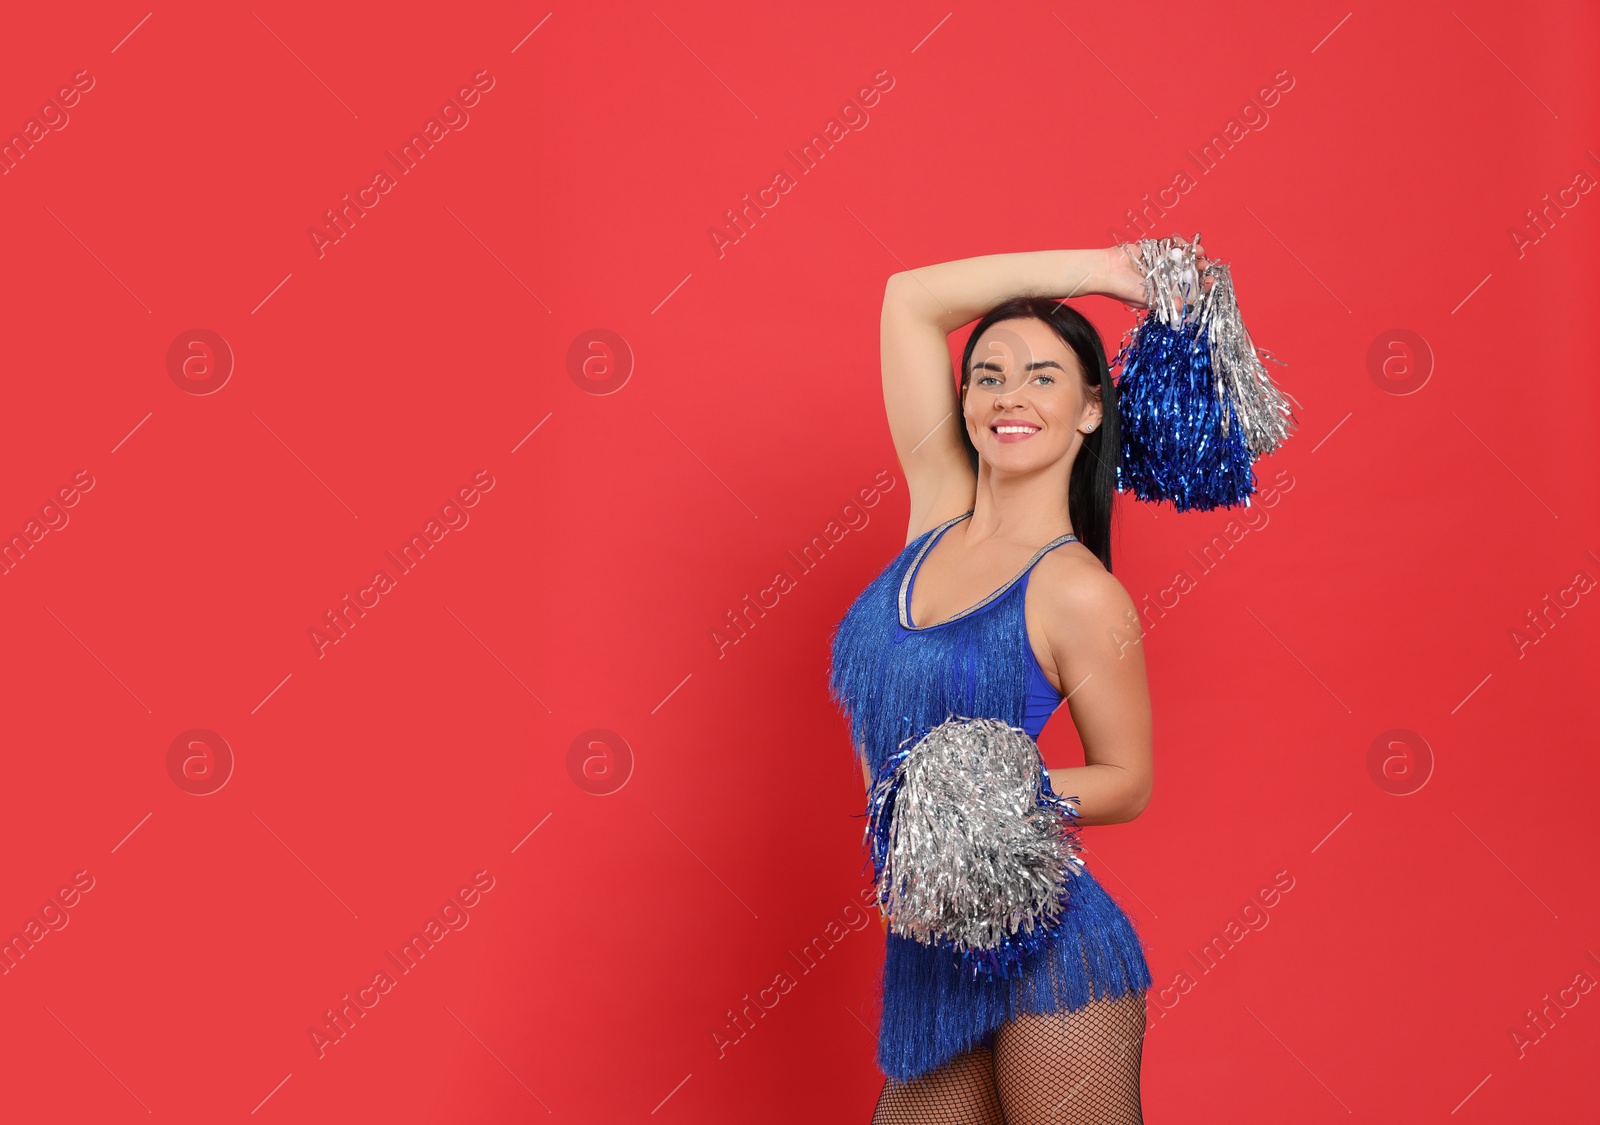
(970, 846)
(1195, 402)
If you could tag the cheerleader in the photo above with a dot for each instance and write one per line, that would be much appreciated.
(1002, 605)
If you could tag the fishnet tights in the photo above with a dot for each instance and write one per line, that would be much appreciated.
(1065, 1068)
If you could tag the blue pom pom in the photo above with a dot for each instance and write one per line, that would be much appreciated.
(1181, 438)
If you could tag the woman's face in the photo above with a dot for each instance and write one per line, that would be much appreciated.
(1026, 402)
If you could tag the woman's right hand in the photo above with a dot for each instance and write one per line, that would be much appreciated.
(1121, 278)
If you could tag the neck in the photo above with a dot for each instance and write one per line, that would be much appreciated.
(1029, 508)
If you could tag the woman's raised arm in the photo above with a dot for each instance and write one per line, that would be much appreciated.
(921, 307)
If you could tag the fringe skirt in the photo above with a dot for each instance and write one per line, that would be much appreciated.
(932, 1013)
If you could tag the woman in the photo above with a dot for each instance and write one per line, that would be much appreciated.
(1012, 481)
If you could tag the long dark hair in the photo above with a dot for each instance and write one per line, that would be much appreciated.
(1093, 488)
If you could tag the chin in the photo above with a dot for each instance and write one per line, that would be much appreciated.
(1020, 460)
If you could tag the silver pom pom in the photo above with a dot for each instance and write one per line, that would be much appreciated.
(978, 846)
(1263, 412)
(1176, 294)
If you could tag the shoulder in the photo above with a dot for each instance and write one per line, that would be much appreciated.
(1079, 598)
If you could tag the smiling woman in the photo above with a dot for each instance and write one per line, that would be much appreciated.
(1036, 362)
(1002, 606)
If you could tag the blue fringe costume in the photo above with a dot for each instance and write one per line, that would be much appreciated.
(895, 681)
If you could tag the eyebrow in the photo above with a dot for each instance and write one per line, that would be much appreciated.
(992, 365)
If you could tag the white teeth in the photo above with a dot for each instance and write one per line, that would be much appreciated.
(1014, 429)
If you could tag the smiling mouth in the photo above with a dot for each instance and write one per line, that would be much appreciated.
(1014, 431)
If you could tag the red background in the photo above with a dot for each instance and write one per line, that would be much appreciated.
(1440, 889)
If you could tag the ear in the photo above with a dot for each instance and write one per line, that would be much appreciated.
(1093, 413)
